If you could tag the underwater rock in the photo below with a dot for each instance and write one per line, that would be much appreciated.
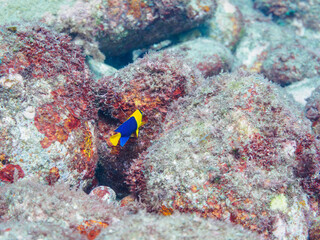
(100, 69)
(279, 9)
(312, 110)
(46, 106)
(119, 26)
(49, 207)
(307, 12)
(234, 150)
(208, 56)
(303, 89)
(259, 35)
(150, 84)
(227, 25)
(29, 10)
(291, 61)
(267, 50)
(314, 231)
(146, 226)
(37, 230)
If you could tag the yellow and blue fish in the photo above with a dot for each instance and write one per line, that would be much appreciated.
(127, 128)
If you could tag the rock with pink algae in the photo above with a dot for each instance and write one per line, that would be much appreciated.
(314, 232)
(290, 11)
(312, 110)
(259, 35)
(277, 52)
(37, 230)
(118, 26)
(208, 56)
(46, 101)
(104, 193)
(55, 210)
(150, 84)
(146, 226)
(291, 61)
(234, 150)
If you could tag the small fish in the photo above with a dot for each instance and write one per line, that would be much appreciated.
(127, 128)
(12, 29)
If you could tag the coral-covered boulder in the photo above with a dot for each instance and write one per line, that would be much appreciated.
(291, 61)
(227, 24)
(278, 53)
(234, 150)
(55, 212)
(306, 12)
(279, 9)
(259, 35)
(121, 26)
(312, 110)
(146, 226)
(47, 112)
(208, 56)
(149, 84)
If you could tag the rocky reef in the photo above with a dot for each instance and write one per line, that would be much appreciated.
(226, 143)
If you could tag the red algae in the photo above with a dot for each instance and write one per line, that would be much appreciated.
(91, 228)
(48, 73)
(150, 84)
(235, 161)
(9, 172)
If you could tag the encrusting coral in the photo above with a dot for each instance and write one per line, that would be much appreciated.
(71, 211)
(116, 27)
(149, 84)
(32, 210)
(47, 106)
(233, 150)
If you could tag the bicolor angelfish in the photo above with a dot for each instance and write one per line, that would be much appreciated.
(127, 128)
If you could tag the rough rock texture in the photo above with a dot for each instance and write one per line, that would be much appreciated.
(258, 37)
(150, 84)
(30, 210)
(314, 231)
(227, 25)
(307, 12)
(29, 10)
(233, 151)
(56, 210)
(291, 61)
(208, 56)
(37, 230)
(145, 226)
(277, 52)
(302, 90)
(121, 26)
(280, 9)
(312, 110)
(46, 106)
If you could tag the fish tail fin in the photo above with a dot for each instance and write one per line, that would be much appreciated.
(115, 139)
(123, 141)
